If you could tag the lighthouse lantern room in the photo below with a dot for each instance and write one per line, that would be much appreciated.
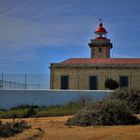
(100, 45)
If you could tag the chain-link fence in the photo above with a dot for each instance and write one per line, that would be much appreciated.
(24, 81)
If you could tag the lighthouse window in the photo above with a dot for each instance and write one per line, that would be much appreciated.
(124, 81)
(64, 82)
(93, 83)
(100, 49)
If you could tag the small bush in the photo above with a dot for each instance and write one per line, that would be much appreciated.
(10, 129)
(107, 112)
(30, 113)
(111, 84)
(130, 96)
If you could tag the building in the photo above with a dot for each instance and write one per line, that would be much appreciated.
(91, 73)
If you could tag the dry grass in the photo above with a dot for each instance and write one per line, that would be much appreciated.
(54, 128)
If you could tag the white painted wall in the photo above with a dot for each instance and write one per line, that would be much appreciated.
(13, 98)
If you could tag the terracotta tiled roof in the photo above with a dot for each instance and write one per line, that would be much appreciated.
(102, 61)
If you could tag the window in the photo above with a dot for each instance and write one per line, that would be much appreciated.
(124, 81)
(93, 83)
(100, 49)
(64, 82)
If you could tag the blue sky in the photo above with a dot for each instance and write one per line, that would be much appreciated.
(35, 33)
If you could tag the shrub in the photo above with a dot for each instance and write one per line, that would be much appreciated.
(116, 112)
(30, 113)
(10, 129)
(84, 118)
(83, 100)
(24, 107)
(107, 112)
(130, 96)
(111, 84)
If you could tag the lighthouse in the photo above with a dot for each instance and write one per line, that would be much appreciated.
(100, 45)
(91, 73)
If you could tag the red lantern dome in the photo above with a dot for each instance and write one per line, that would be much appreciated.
(101, 29)
(101, 32)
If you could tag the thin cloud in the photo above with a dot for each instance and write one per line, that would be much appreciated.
(9, 12)
(56, 9)
(21, 39)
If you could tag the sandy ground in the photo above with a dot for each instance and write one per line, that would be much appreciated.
(54, 128)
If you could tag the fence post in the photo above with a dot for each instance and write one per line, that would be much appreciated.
(105, 81)
(10, 85)
(2, 81)
(78, 79)
(25, 81)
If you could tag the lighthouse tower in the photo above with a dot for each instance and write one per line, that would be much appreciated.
(100, 45)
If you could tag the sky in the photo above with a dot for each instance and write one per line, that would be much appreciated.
(35, 33)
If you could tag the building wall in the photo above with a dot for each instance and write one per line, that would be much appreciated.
(79, 77)
(105, 52)
(103, 44)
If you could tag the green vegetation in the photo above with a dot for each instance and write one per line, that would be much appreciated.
(111, 84)
(35, 111)
(10, 129)
(59, 110)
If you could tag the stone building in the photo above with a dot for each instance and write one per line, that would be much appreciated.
(91, 73)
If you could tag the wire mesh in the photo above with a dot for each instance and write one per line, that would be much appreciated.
(24, 81)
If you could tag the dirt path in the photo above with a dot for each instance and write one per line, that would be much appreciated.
(54, 128)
